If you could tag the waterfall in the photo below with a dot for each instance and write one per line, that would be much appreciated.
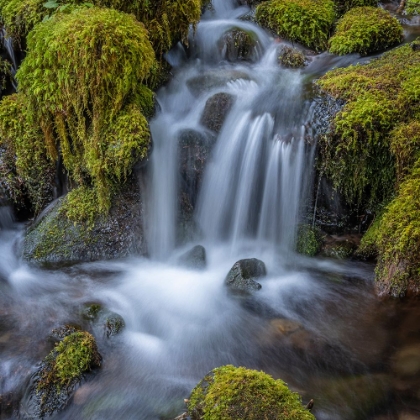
(7, 43)
(257, 174)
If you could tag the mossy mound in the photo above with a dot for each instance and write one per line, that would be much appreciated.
(345, 5)
(82, 81)
(396, 239)
(378, 97)
(364, 30)
(5, 74)
(292, 58)
(309, 240)
(306, 21)
(26, 172)
(412, 7)
(230, 393)
(62, 370)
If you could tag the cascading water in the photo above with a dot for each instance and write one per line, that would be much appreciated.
(254, 182)
(315, 323)
(7, 43)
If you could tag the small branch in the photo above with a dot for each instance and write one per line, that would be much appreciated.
(401, 6)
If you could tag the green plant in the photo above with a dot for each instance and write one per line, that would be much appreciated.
(308, 240)
(82, 81)
(231, 393)
(365, 30)
(343, 6)
(5, 74)
(378, 97)
(305, 21)
(412, 7)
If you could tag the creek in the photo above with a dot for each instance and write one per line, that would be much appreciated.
(316, 323)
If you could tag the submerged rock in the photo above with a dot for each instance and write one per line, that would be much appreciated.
(54, 239)
(194, 258)
(242, 275)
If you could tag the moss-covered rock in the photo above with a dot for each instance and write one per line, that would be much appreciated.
(230, 393)
(378, 97)
(216, 110)
(237, 44)
(345, 5)
(364, 30)
(82, 81)
(26, 172)
(396, 237)
(306, 21)
(62, 370)
(412, 7)
(292, 58)
(61, 237)
(5, 74)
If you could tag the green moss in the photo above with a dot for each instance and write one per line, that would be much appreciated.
(82, 79)
(308, 240)
(230, 393)
(5, 74)
(412, 7)
(292, 58)
(364, 30)
(405, 146)
(25, 169)
(71, 357)
(345, 5)
(306, 21)
(397, 238)
(357, 152)
(368, 248)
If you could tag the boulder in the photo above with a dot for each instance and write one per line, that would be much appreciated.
(194, 258)
(237, 45)
(215, 111)
(243, 274)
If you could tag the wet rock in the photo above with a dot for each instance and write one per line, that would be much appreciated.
(58, 334)
(215, 111)
(103, 321)
(194, 258)
(237, 45)
(340, 247)
(91, 310)
(406, 362)
(214, 79)
(114, 324)
(292, 58)
(53, 239)
(59, 375)
(243, 274)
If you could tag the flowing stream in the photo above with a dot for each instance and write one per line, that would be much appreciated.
(315, 323)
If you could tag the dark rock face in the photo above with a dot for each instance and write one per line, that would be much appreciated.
(237, 45)
(56, 240)
(242, 275)
(194, 258)
(216, 109)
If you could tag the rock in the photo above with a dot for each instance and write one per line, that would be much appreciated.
(340, 247)
(58, 376)
(54, 239)
(102, 320)
(214, 79)
(114, 324)
(242, 275)
(406, 362)
(292, 58)
(194, 258)
(237, 45)
(215, 111)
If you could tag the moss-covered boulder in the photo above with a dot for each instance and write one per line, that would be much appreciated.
(62, 371)
(61, 236)
(230, 393)
(309, 240)
(364, 30)
(82, 80)
(237, 44)
(343, 6)
(412, 7)
(306, 21)
(292, 58)
(379, 96)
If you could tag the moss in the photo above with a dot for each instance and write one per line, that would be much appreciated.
(397, 238)
(345, 5)
(368, 248)
(364, 30)
(82, 79)
(412, 7)
(26, 168)
(71, 357)
(306, 21)
(308, 240)
(292, 58)
(357, 151)
(405, 146)
(5, 74)
(229, 393)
